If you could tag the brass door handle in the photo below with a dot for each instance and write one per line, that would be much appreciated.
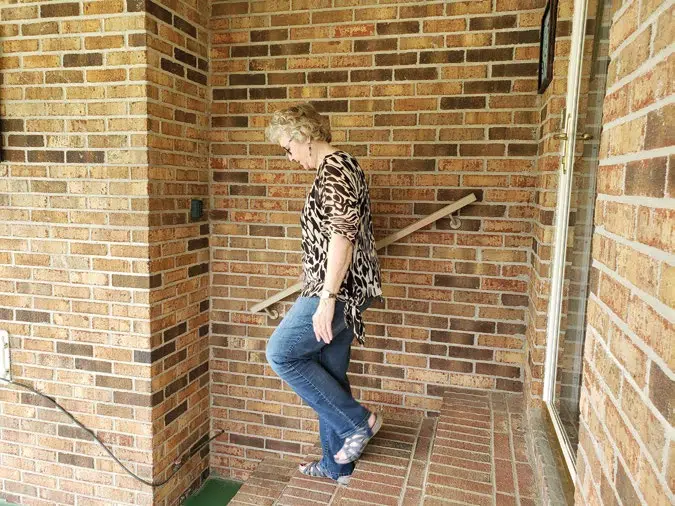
(563, 136)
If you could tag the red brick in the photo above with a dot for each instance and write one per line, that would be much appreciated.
(409, 150)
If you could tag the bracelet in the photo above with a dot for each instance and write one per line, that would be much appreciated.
(325, 294)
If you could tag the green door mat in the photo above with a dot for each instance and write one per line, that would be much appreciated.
(214, 492)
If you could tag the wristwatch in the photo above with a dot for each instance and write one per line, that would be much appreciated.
(325, 294)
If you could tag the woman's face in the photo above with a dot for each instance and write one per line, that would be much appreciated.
(296, 151)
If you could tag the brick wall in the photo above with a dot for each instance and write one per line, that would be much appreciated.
(74, 252)
(176, 41)
(626, 447)
(436, 99)
(107, 121)
(105, 276)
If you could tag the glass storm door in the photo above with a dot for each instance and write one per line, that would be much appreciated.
(580, 145)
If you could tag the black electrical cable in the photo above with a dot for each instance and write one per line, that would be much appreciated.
(177, 463)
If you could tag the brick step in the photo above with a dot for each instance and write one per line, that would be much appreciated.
(479, 455)
(303, 490)
(473, 453)
(266, 484)
(379, 477)
(392, 467)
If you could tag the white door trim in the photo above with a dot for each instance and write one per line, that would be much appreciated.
(561, 225)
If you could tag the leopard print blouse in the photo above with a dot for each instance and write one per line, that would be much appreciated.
(339, 203)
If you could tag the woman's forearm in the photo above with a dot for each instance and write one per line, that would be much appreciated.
(339, 259)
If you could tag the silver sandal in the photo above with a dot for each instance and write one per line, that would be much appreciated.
(315, 470)
(355, 444)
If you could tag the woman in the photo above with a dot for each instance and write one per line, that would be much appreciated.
(310, 348)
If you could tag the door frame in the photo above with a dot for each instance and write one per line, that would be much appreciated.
(568, 147)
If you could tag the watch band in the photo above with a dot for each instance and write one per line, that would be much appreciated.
(325, 294)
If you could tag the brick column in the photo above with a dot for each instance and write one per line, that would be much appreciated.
(178, 109)
(74, 251)
(626, 447)
(104, 274)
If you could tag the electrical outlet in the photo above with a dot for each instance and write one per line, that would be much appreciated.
(5, 371)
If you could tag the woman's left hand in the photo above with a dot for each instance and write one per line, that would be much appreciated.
(323, 320)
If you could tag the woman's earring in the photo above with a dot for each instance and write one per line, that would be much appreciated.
(310, 149)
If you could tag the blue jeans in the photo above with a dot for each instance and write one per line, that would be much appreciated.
(317, 372)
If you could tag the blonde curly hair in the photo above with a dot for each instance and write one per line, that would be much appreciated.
(299, 122)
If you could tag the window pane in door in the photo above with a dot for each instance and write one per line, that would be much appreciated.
(582, 200)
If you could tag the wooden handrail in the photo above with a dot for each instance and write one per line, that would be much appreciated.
(382, 243)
